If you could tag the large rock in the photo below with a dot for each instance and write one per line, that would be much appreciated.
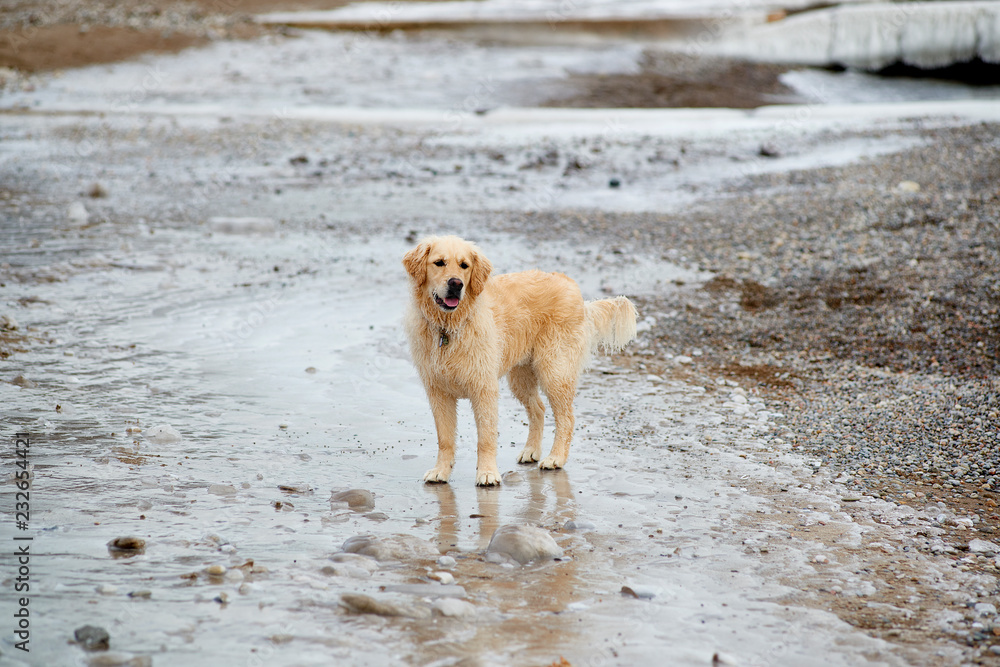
(524, 543)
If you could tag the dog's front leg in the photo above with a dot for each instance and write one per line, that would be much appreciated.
(484, 406)
(444, 407)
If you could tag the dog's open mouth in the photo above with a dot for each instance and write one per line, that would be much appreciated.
(447, 303)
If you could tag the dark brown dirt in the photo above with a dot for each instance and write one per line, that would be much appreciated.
(76, 33)
(674, 81)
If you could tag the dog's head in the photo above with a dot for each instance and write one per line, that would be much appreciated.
(447, 272)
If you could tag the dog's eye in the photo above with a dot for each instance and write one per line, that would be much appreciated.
(464, 265)
(440, 262)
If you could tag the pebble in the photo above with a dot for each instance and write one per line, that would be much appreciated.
(119, 659)
(908, 186)
(77, 213)
(163, 434)
(683, 359)
(357, 499)
(249, 225)
(579, 525)
(443, 577)
(446, 561)
(365, 604)
(455, 608)
(724, 659)
(92, 638)
(524, 543)
(222, 490)
(821, 559)
(985, 609)
(640, 592)
(106, 589)
(983, 547)
(394, 547)
(141, 595)
(301, 488)
(426, 590)
(366, 564)
(127, 545)
(215, 570)
(8, 323)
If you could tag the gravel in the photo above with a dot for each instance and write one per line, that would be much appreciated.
(865, 312)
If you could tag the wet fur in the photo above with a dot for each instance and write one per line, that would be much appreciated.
(532, 327)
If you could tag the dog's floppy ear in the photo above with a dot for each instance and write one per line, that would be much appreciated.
(415, 262)
(481, 270)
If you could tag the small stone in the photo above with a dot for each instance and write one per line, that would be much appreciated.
(768, 150)
(683, 359)
(445, 578)
(908, 186)
(640, 592)
(92, 638)
(106, 589)
(983, 547)
(821, 559)
(23, 382)
(614, 183)
(365, 604)
(141, 595)
(248, 225)
(311, 370)
(455, 608)
(357, 499)
(985, 609)
(128, 544)
(97, 191)
(77, 213)
(446, 561)
(394, 547)
(524, 543)
(365, 564)
(583, 526)
(301, 488)
(222, 490)
(8, 323)
(724, 660)
(162, 435)
(119, 659)
(215, 570)
(221, 598)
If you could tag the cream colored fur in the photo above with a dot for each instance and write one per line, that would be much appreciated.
(532, 327)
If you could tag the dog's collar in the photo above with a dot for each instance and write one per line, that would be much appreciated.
(443, 339)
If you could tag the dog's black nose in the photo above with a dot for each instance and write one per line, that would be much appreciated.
(454, 284)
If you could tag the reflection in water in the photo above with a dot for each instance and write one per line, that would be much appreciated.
(527, 603)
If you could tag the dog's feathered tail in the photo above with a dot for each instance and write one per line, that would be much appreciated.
(610, 323)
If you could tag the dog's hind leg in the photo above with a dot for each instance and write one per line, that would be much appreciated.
(445, 409)
(560, 390)
(524, 385)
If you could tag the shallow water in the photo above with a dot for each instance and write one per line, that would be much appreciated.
(300, 378)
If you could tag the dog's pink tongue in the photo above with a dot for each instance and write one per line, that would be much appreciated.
(451, 302)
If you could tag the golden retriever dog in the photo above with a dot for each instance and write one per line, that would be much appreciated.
(467, 329)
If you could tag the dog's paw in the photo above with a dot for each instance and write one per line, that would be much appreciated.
(437, 475)
(528, 455)
(551, 463)
(488, 478)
